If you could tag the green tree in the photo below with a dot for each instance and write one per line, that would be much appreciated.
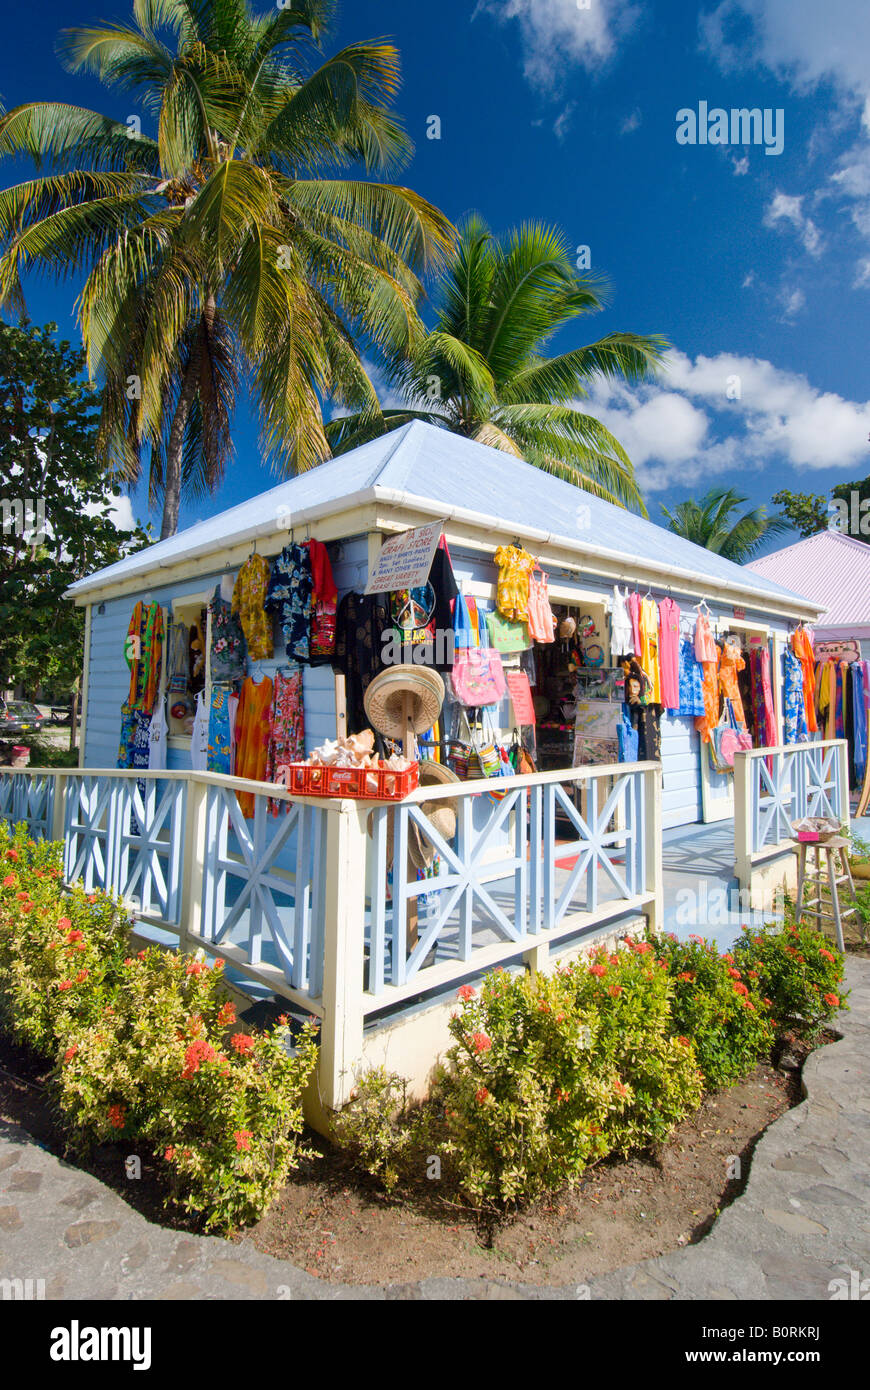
(482, 370)
(232, 245)
(711, 522)
(807, 512)
(48, 469)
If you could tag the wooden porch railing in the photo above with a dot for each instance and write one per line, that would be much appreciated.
(775, 786)
(306, 902)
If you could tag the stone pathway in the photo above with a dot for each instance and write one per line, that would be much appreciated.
(803, 1220)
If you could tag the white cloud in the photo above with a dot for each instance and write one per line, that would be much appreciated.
(563, 120)
(748, 280)
(120, 512)
(784, 208)
(792, 301)
(862, 274)
(632, 122)
(802, 41)
(559, 34)
(740, 166)
(728, 412)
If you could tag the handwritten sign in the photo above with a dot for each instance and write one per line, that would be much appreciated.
(521, 697)
(845, 649)
(405, 560)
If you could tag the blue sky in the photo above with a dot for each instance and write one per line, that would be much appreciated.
(756, 267)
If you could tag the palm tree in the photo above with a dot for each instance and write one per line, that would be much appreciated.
(233, 247)
(710, 523)
(481, 370)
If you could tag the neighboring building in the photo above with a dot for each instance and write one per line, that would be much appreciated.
(833, 570)
(486, 498)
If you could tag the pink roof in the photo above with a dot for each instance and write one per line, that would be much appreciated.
(830, 568)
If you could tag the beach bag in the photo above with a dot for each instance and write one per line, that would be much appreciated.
(507, 636)
(727, 740)
(478, 676)
(494, 759)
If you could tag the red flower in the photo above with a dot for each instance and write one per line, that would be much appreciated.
(752, 974)
(740, 989)
(598, 970)
(65, 984)
(620, 1089)
(826, 954)
(684, 1042)
(117, 1116)
(481, 1042)
(169, 1154)
(643, 948)
(735, 974)
(699, 939)
(729, 958)
(12, 854)
(70, 1053)
(242, 1042)
(23, 897)
(465, 992)
(482, 1095)
(27, 907)
(140, 955)
(615, 990)
(64, 924)
(74, 936)
(81, 977)
(686, 975)
(832, 1000)
(10, 881)
(198, 1052)
(227, 1014)
(243, 1138)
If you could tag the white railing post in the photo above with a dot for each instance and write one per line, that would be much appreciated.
(652, 820)
(58, 809)
(744, 819)
(341, 1038)
(844, 810)
(193, 864)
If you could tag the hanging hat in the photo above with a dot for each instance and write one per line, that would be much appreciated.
(567, 628)
(442, 815)
(384, 699)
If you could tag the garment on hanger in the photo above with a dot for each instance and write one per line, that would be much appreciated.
(219, 752)
(444, 586)
(324, 597)
(249, 596)
(707, 722)
(632, 603)
(669, 652)
(252, 736)
(158, 732)
(705, 646)
(762, 696)
(802, 646)
(794, 709)
(542, 623)
(859, 723)
(289, 597)
(361, 621)
(691, 680)
(730, 663)
(143, 652)
(178, 661)
(621, 638)
(514, 567)
(842, 700)
(134, 747)
(228, 645)
(649, 646)
(286, 729)
(199, 736)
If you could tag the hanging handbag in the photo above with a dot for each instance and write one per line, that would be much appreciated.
(727, 739)
(507, 636)
(494, 759)
(478, 676)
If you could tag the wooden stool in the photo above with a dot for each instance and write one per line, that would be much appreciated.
(834, 850)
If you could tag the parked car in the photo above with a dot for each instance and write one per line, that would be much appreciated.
(10, 724)
(30, 718)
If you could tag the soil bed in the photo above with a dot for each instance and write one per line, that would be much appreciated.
(340, 1226)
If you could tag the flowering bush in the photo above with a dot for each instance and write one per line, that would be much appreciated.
(799, 970)
(144, 1043)
(377, 1127)
(721, 1007)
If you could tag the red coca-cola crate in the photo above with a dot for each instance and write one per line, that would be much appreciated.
(366, 783)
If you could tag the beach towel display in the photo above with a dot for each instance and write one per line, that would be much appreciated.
(289, 598)
(249, 596)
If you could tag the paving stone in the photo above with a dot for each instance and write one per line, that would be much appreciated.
(794, 1223)
(10, 1219)
(25, 1180)
(88, 1232)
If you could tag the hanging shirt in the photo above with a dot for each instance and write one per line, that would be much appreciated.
(249, 596)
(514, 567)
(324, 596)
(228, 645)
(669, 652)
(289, 597)
(143, 652)
(649, 646)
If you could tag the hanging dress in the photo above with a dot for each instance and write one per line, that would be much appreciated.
(542, 623)
(705, 646)
(762, 698)
(199, 736)
(158, 732)
(249, 596)
(287, 729)
(632, 603)
(649, 646)
(228, 645)
(859, 723)
(802, 646)
(621, 639)
(669, 652)
(691, 680)
(324, 596)
(512, 595)
(252, 736)
(730, 663)
(794, 709)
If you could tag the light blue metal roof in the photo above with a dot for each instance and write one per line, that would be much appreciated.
(453, 476)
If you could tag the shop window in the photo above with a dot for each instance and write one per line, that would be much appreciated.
(186, 662)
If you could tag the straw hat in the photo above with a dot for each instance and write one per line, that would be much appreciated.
(384, 699)
(441, 814)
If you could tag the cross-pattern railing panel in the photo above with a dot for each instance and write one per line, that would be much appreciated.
(90, 825)
(149, 834)
(789, 783)
(28, 797)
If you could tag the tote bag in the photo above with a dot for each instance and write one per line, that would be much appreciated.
(507, 636)
(726, 740)
(478, 676)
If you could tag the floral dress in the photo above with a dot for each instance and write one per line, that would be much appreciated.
(287, 736)
(228, 645)
(691, 680)
(252, 736)
(289, 597)
(794, 711)
(730, 663)
(249, 596)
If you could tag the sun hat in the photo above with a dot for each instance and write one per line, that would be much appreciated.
(441, 814)
(386, 696)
